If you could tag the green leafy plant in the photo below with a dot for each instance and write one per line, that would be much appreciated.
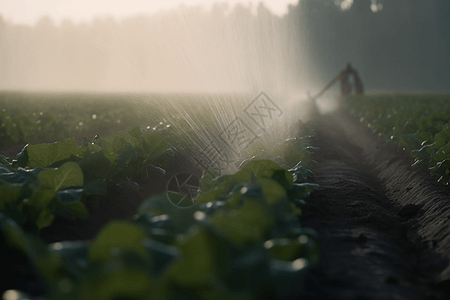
(418, 123)
(32, 197)
(242, 239)
(55, 177)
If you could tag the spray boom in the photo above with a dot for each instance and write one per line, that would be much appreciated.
(346, 88)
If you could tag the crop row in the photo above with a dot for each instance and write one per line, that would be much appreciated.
(242, 238)
(54, 178)
(40, 118)
(417, 123)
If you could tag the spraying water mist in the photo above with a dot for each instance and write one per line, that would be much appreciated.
(245, 64)
(223, 52)
(188, 49)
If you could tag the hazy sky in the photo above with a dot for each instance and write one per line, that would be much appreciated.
(29, 11)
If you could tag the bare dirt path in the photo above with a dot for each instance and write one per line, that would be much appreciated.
(376, 241)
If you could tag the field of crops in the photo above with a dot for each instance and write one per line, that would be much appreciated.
(241, 239)
(91, 207)
(417, 123)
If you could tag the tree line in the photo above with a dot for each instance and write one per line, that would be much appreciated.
(403, 46)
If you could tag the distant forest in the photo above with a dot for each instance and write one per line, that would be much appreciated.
(403, 46)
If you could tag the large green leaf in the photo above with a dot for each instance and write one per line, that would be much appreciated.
(9, 194)
(126, 155)
(68, 175)
(268, 169)
(136, 133)
(154, 145)
(443, 134)
(114, 280)
(45, 218)
(245, 226)
(132, 137)
(198, 265)
(118, 144)
(13, 233)
(40, 199)
(95, 166)
(273, 191)
(44, 155)
(118, 235)
(219, 188)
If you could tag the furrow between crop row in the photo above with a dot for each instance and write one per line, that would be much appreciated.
(382, 226)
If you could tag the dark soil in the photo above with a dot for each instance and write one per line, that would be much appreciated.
(12, 151)
(383, 226)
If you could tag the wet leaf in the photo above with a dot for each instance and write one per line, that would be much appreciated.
(68, 175)
(44, 155)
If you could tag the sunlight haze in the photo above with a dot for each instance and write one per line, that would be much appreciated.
(30, 11)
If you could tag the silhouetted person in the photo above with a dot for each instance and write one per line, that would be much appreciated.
(346, 88)
(358, 83)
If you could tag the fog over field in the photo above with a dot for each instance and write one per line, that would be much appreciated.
(394, 45)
